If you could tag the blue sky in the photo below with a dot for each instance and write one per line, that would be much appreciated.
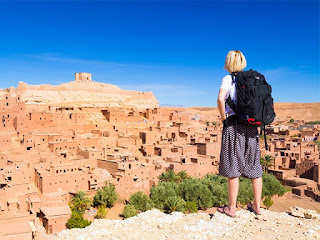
(176, 49)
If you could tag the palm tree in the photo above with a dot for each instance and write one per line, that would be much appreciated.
(267, 162)
(174, 203)
(80, 202)
(168, 176)
(183, 175)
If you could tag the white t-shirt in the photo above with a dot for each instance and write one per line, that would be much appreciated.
(231, 88)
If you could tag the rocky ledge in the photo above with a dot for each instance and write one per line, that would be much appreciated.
(154, 224)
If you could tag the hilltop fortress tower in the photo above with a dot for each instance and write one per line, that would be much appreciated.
(83, 77)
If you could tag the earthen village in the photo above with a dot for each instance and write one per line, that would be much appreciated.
(57, 140)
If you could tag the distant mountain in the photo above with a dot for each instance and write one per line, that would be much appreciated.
(170, 105)
(82, 94)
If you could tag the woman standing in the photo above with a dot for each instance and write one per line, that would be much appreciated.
(240, 151)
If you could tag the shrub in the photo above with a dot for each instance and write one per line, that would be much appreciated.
(77, 221)
(271, 186)
(174, 203)
(159, 193)
(317, 142)
(212, 190)
(106, 196)
(218, 187)
(245, 194)
(102, 213)
(194, 190)
(141, 201)
(268, 202)
(191, 207)
(129, 211)
(216, 178)
(313, 122)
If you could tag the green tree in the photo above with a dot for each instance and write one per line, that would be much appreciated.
(291, 120)
(219, 191)
(245, 194)
(106, 196)
(268, 202)
(271, 186)
(129, 211)
(80, 202)
(313, 122)
(195, 190)
(267, 162)
(171, 176)
(102, 213)
(77, 221)
(317, 142)
(183, 175)
(214, 123)
(141, 201)
(174, 203)
(159, 193)
(191, 207)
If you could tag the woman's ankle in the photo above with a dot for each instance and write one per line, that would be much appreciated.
(232, 208)
(256, 208)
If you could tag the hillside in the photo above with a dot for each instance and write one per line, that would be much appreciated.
(297, 111)
(154, 225)
(83, 94)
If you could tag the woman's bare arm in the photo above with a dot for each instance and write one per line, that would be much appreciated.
(221, 103)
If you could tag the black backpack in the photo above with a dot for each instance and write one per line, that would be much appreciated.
(254, 104)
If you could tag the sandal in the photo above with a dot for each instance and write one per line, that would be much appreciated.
(222, 210)
(250, 208)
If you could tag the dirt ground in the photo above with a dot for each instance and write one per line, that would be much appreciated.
(115, 211)
(283, 204)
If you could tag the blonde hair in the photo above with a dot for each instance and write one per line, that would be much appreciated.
(235, 61)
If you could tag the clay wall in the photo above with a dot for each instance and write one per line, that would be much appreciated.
(5, 142)
(305, 169)
(17, 227)
(82, 76)
(114, 116)
(62, 147)
(147, 150)
(208, 149)
(198, 167)
(110, 166)
(316, 173)
(66, 178)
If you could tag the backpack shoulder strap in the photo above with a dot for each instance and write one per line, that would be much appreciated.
(233, 77)
(231, 104)
(229, 100)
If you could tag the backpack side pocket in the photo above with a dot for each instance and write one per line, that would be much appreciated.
(268, 110)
